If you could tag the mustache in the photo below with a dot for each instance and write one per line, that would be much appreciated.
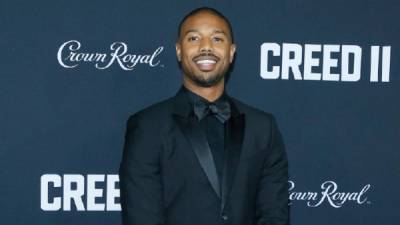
(206, 55)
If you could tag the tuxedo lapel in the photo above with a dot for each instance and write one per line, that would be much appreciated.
(234, 132)
(194, 134)
(202, 150)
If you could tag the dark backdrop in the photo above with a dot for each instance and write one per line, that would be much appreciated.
(58, 121)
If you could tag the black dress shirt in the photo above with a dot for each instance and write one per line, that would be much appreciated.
(214, 130)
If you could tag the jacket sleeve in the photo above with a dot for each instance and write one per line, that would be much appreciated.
(140, 179)
(273, 195)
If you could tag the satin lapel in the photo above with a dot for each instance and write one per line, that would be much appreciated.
(199, 143)
(234, 132)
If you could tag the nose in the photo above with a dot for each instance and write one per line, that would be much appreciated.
(205, 45)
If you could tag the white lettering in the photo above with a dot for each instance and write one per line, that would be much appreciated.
(45, 203)
(69, 57)
(78, 190)
(276, 51)
(329, 194)
(318, 62)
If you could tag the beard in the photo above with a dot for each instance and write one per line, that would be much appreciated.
(201, 78)
(204, 81)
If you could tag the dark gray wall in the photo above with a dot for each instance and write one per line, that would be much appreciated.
(57, 120)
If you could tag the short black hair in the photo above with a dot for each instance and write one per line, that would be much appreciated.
(208, 10)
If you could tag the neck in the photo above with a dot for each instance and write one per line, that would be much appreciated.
(209, 93)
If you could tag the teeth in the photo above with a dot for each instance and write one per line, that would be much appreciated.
(206, 61)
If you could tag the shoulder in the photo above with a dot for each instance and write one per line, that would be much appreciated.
(258, 122)
(252, 112)
(152, 114)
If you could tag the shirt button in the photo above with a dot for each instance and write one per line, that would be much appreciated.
(224, 217)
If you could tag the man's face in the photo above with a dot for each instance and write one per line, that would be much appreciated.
(205, 49)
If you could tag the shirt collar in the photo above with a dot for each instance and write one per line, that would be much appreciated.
(193, 97)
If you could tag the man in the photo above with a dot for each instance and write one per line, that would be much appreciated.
(203, 157)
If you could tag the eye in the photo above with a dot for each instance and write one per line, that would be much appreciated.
(218, 39)
(193, 38)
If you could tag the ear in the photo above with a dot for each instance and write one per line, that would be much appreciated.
(178, 51)
(232, 52)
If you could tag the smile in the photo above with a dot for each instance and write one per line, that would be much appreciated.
(206, 65)
(206, 61)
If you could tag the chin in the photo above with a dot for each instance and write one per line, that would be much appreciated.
(208, 81)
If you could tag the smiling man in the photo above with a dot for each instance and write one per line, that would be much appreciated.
(203, 157)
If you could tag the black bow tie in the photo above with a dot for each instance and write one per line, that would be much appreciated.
(220, 109)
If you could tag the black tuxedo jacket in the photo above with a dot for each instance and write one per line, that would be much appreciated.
(168, 176)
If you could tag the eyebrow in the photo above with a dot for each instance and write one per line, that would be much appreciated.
(218, 31)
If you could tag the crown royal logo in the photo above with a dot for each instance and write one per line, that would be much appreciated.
(330, 194)
(69, 56)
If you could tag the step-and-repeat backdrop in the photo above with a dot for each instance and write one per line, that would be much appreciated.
(71, 73)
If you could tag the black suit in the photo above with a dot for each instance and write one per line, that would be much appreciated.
(168, 177)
